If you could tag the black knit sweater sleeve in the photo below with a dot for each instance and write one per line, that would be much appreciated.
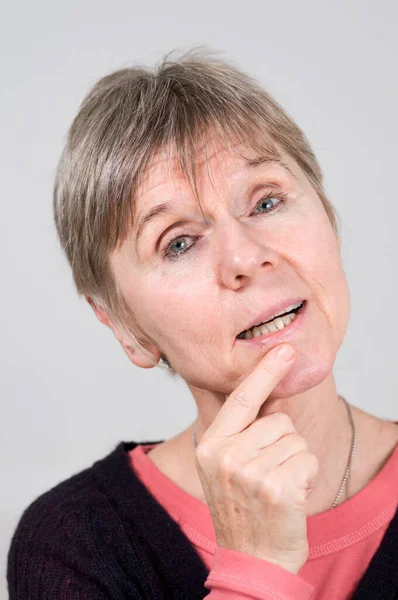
(59, 548)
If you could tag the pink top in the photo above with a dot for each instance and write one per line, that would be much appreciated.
(342, 540)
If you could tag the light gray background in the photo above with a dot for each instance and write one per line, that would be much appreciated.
(68, 392)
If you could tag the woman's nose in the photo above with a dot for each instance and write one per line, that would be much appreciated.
(242, 254)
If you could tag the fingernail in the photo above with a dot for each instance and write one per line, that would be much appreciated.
(285, 352)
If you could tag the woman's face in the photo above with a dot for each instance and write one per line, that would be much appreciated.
(266, 239)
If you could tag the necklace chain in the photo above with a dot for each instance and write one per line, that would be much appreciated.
(346, 477)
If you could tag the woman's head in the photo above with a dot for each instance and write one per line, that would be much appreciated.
(202, 137)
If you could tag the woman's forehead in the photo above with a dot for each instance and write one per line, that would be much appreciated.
(166, 167)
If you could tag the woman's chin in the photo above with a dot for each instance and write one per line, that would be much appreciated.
(301, 378)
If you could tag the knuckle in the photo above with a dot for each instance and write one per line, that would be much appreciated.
(310, 462)
(271, 489)
(299, 442)
(227, 462)
(248, 476)
(314, 463)
(204, 452)
(283, 419)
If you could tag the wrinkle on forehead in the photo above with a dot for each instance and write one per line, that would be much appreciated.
(163, 169)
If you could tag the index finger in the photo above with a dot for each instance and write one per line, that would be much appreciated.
(242, 406)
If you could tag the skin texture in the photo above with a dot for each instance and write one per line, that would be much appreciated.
(192, 309)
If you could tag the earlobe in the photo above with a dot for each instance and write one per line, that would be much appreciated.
(140, 359)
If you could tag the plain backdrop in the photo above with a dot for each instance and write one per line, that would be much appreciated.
(68, 392)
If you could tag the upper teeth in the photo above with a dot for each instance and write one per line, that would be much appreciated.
(286, 310)
(272, 325)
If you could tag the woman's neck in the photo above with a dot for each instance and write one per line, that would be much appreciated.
(321, 417)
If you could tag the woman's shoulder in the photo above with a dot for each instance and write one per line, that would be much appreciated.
(80, 491)
(99, 484)
(64, 503)
(67, 527)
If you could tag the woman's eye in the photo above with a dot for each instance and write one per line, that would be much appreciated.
(180, 248)
(270, 202)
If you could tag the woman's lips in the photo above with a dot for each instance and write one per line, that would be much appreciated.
(282, 335)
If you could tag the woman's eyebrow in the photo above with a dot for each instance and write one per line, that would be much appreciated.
(167, 206)
(154, 212)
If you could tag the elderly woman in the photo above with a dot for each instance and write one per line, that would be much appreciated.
(192, 211)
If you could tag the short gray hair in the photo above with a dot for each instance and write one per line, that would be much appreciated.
(128, 117)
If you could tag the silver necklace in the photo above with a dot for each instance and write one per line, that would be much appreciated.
(353, 446)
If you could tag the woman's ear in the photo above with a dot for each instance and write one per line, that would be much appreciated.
(99, 312)
(137, 357)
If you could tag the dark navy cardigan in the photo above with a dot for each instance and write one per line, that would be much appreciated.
(101, 535)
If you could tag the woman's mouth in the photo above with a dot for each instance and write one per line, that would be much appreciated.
(271, 329)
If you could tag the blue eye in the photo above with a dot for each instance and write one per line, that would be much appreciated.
(183, 250)
(269, 199)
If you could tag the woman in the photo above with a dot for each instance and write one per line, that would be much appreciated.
(192, 211)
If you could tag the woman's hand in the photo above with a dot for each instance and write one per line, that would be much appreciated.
(258, 474)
